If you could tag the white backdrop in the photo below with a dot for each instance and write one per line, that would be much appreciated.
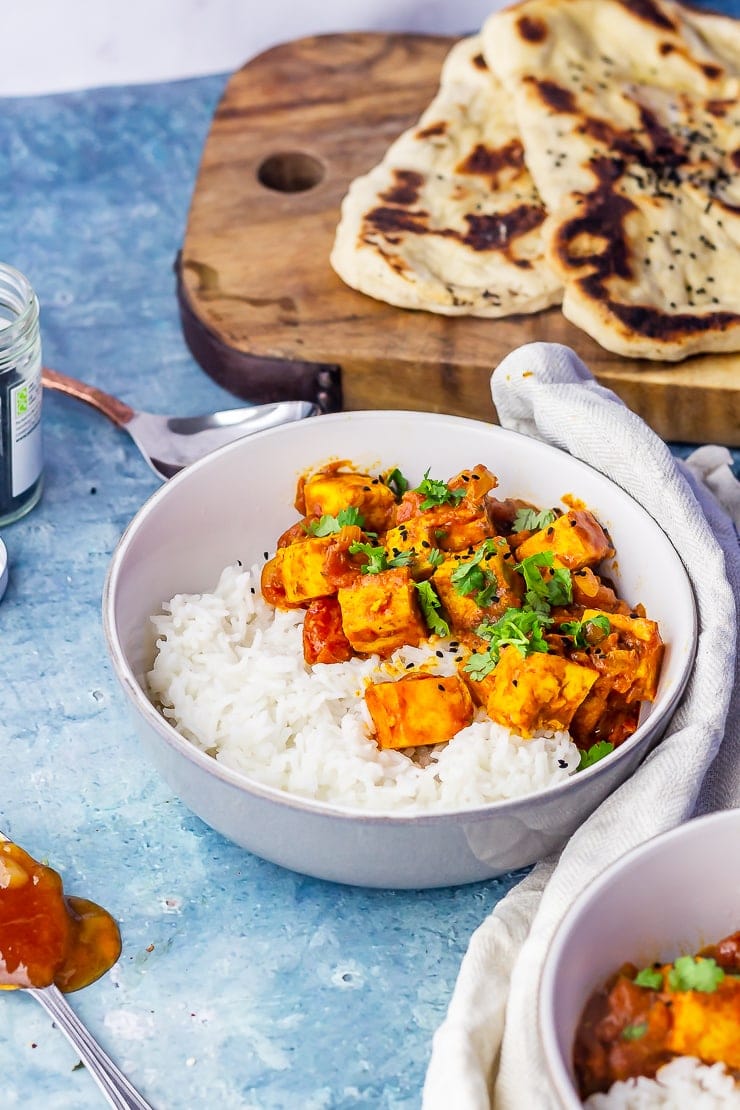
(56, 45)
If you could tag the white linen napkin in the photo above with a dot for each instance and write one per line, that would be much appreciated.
(487, 1052)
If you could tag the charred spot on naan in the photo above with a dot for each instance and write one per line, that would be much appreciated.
(532, 29)
(432, 130)
(405, 189)
(494, 163)
(650, 13)
(485, 232)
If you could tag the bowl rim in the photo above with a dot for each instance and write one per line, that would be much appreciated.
(555, 1065)
(174, 740)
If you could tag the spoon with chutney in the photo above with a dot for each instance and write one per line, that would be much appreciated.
(51, 944)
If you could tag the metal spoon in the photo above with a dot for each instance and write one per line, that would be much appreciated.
(119, 1092)
(168, 443)
(112, 1082)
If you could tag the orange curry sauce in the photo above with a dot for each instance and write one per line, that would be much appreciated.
(628, 1030)
(47, 936)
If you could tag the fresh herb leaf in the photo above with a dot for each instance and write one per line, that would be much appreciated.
(435, 557)
(544, 591)
(488, 594)
(377, 558)
(635, 1031)
(695, 974)
(437, 493)
(593, 755)
(480, 664)
(582, 632)
(522, 628)
(649, 977)
(529, 520)
(397, 482)
(403, 559)
(560, 587)
(471, 576)
(430, 604)
(328, 525)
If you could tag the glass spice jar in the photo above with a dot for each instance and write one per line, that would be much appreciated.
(21, 457)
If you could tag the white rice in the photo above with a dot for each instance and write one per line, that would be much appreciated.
(229, 675)
(684, 1082)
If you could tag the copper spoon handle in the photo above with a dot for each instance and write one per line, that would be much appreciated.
(117, 411)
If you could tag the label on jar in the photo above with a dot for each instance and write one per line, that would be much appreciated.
(24, 403)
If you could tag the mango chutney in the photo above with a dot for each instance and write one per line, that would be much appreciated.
(47, 936)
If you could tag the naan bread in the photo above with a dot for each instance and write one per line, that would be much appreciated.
(450, 220)
(629, 114)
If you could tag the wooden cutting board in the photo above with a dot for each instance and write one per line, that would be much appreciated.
(267, 317)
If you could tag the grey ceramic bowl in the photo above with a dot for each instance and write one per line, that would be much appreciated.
(671, 896)
(235, 502)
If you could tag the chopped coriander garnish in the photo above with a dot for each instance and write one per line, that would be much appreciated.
(596, 752)
(522, 628)
(402, 559)
(328, 525)
(377, 558)
(635, 1031)
(435, 557)
(695, 974)
(397, 482)
(480, 664)
(437, 493)
(650, 977)
(430, 604)
(469, 577)
(582, 631)
(542, 592)
(529, 520)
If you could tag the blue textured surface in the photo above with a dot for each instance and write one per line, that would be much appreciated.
(240, 984)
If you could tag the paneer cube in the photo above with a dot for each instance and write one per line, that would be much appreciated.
(476, 480)
(419, 709)
(461, 522)
(313, 567)
(496, 566)
(415, 535)
(705, 1024)
(304, 576)
(380, 612)
(575, 539)
(272, 584)
(461, 530)
(328, 492)
(538, 691)
(634, 661)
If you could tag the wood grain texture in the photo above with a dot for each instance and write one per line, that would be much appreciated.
(267, 317)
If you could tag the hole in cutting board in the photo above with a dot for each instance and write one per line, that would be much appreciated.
(290, 172)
